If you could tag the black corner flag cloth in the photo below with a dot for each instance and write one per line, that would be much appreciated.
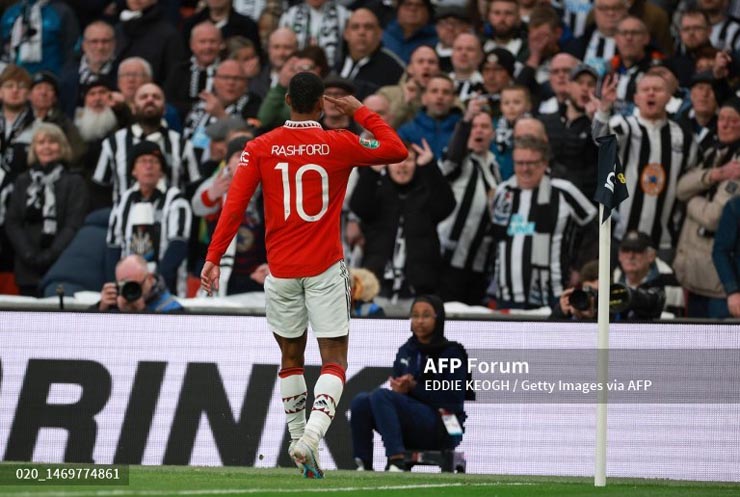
(611, 188)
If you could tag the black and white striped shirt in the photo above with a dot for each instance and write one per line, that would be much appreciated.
(535, 232)
(599, 52)
(654, 155)
(147, 227)
(575, 15)
(113, 168)
(464, 235)
(725, 35)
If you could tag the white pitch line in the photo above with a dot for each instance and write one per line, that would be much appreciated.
(230, 491)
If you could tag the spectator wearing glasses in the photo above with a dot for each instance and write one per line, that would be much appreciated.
(694, 29)
(229, 97)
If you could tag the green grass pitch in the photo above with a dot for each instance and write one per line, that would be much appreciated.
(188, 481)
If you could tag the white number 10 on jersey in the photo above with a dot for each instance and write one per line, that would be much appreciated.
(283, 168)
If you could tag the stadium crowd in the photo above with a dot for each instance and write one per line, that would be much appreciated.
(122, 123)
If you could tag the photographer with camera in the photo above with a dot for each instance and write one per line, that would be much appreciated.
(579, 302)
(136, 289)
(643, 286)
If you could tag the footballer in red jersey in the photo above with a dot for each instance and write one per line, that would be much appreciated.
(304, 171)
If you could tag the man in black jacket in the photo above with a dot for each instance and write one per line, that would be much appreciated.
(222, 14)
(367, 63)
(574, 154)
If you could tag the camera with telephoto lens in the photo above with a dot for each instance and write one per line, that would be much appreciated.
(640, 303)
(130, 291)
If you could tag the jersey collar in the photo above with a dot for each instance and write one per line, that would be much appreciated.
(302, 124)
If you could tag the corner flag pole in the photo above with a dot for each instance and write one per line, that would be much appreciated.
(611, 189)
(602, 346)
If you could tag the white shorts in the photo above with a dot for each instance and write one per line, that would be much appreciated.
(322, 300)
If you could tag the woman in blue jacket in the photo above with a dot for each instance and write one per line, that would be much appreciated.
(408, 415)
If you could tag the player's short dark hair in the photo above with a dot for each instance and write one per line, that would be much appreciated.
(305, 90)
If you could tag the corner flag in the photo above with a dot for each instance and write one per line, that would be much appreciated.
(611, 187)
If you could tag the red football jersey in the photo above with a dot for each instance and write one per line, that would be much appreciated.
(304, 171)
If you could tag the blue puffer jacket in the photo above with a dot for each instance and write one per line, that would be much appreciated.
(59, 33)
(437, 131)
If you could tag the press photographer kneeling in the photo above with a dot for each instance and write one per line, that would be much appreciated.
(644, 286)
(136, 290)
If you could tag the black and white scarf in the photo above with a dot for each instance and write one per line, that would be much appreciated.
(393, 276)
(8, 136)
(26, 35)
(201, 78)
(504, 135)
(87, 75)
(329, 34)
(41, 202)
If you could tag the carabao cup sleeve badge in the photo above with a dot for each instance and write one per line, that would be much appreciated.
(369, 143)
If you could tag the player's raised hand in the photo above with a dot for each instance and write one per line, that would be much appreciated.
(209, 277)
(347, 104)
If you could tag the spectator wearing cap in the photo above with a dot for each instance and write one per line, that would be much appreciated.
(367, 63)
(700, 118)
(597, 45)
(320, 23)
(574, 154)
(97, 117)
(641, 268)
(190, 77)
(497, 71)
(230, 22)
(95, 120)
(504, 28)
(467, 55)
(144, 32)
(411, 28)
(44, 102)
(405, 97)
(706, 190)
(244, 265)
(46, 209)
(39, 35)
(449, 21)
(436, 120)
(230, 97)
(96, 62)
(151, 219)
(113, 167)
(561, 67)
(334, 118)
